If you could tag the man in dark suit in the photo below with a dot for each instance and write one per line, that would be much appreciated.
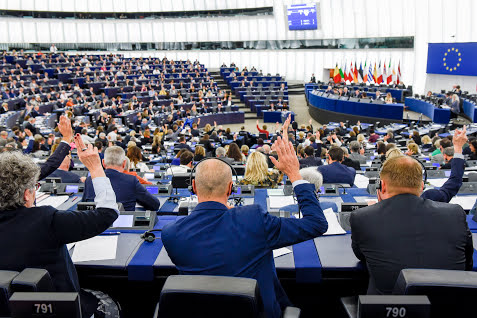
(347, 161)
(182, 144)
(127, 187)
(216, 240)
(335, 171)
(313, 78)
(404, 230)
(310, 160)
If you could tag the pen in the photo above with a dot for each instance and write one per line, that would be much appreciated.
(110, 233)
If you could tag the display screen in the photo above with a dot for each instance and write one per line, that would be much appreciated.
(157, 168)
(152, 190)
(302, 16)
(71, 189)
(239, 191)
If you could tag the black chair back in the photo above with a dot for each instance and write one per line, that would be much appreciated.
(198, 296)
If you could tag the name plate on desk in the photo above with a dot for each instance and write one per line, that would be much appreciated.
(350, 207)
(374, 306)
(26, 305)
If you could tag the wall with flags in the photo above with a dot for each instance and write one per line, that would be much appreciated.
(368, 72)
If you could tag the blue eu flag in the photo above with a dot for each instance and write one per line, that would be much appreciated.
(452, 58)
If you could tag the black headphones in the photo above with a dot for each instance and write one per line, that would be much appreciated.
(150, 237)
(234, 186)
(378, 179)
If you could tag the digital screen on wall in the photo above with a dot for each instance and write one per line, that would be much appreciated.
(302, 16)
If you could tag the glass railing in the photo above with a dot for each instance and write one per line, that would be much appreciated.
(137, 15)
(360, 43)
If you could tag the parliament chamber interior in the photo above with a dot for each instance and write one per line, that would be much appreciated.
(258, 158)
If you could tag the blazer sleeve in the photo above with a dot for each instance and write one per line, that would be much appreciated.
(450, 188)
(73, 226)
(55, 160)
(282, 232)
(144, 198)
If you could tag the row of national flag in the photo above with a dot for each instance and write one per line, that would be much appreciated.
(372, 74)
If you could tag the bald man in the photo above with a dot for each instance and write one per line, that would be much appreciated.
(216, 239)
(405, 230)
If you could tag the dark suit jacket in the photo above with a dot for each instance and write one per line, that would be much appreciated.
(337, 173)
(450, 188)
(45, 231)
(214, 240)
(54, 161)
(310, 162)
(128, 191)
(407, 231)
(351, 163)
(180, 146)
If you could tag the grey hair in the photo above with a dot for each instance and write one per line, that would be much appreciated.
(313, 176)
(128, 162)
(102, 135)
(354, 146)
(220, 152)
(345, 151)
(114, 156)
(18, 172)
(449, 151)
(266, 149)
(212, 178)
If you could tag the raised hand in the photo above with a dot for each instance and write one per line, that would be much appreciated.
(459, 139)
(287, 160)
(64, 126)
(285, 129)
(89, 157)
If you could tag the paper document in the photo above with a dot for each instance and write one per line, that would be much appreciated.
(334, 227)
(465, 201)
(54, 201)
(281, 251)
(69, 246)
(361, 181)
(437, 182)
(124, 221)
(97, 248)
(275, 192)
(277, 202)
(149, 176)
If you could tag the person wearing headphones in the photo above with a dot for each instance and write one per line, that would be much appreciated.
(405, 230)
(216, 239)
